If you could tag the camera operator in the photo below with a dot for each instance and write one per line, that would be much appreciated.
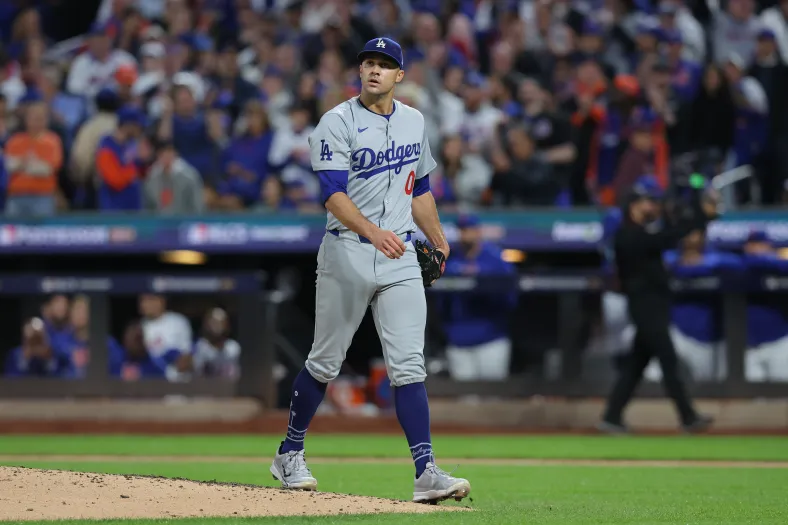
(645, 233)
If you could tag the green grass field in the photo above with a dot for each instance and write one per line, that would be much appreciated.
(502, 494)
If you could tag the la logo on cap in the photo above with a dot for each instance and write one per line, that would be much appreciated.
(381, 43)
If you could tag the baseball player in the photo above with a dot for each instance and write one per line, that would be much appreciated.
(373, 160)
(766, 359)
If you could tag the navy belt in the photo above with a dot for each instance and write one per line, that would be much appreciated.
(363, 239)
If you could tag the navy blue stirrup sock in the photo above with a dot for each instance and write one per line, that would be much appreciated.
(307, 395)
(413, 413)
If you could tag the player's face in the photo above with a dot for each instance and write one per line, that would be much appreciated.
(379, 74)
(694, 241)
(151, 306)
(651, 209)
(470, 237)
(80, 314)
(58, 308)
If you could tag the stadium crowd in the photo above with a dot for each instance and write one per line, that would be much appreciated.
(181, 106)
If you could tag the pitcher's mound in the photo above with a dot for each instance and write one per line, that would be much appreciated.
(33, 494)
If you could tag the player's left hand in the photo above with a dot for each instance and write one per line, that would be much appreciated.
(432, 262)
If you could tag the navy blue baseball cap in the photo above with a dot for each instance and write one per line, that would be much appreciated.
(384, 46)
(758, 235)
(766, 34)
(467, 220)
(647, 187)
(131, 115)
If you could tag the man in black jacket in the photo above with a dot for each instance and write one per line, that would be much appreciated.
(639, 244)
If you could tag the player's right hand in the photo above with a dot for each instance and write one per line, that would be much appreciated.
(388, 243)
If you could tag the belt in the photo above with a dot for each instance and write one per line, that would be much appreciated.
(363, 239)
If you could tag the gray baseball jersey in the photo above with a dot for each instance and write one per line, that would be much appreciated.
(383, 157)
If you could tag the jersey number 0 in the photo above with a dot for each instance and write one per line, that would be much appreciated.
(410, 182)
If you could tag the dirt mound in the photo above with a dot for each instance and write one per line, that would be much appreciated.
(33, 494)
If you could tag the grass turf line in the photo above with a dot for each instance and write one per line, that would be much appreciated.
(514, 495)
(376, 446)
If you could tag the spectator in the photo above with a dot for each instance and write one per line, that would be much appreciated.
(599, 131)
(523, 177)
(646, 42)
(118, 163)
(33, 158)
(216, 354)
(94, 69)
(229, 80)
(712, 117)
(289, 155)
(591, 46)
(477, 324)
(463, 177)
(642, 156)
(776, 19)
(246, 161)
(671, 129)
(752, 124)
(183, 123)
(171, 185)
(676, 17)
(734, 30)
(771, 71)
(550, 131)
(481, 118)
(12, 87)
(167, 336)
(123, 82)
(152, 73)
(390, 17)
(36, 356)
(685, 73)
(277, 98)
(273, 197)
(253, 61)
(6, 121)
(86, 143)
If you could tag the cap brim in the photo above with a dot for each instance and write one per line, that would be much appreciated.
(381, 53)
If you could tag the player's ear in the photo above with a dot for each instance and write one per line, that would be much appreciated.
(400, 76)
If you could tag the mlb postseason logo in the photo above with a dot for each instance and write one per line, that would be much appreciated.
(217, 234)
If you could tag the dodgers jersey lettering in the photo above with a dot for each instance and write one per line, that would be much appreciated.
(384, 156)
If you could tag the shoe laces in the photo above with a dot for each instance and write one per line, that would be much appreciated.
(437, 470)
(296, 460)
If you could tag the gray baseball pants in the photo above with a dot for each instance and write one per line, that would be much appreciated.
(352, 275)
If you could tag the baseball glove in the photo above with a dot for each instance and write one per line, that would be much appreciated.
(431, 261)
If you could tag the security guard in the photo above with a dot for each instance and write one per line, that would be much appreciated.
(639, 243)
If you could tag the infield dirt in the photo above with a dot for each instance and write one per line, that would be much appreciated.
(34, 494)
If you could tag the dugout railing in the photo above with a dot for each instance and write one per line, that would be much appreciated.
(257, 310)
(733, 291)
(257, 331)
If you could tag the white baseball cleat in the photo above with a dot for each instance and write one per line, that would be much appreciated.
(435, 485)
(290, 468)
